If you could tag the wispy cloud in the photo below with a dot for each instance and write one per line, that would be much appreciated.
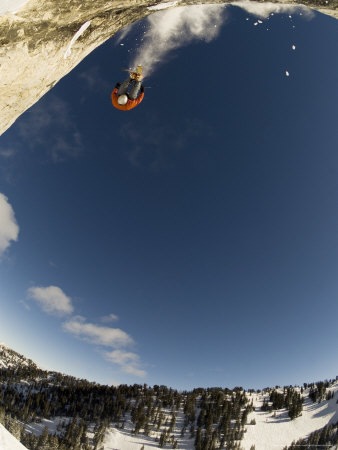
(52, 300)
(51, 125)
(129, 362)
(96, 334)
(154, 151)
(109, 318)
(122, 34)
(175, 28)
(108, 337)
(9, 229)
(7, 152)
(93, 79)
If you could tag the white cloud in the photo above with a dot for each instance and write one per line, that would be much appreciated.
(128, 361)
(108, 337)
(110, 318)
(96, 334)
(266, 8)
(9, 229)
(51, 299)
(174, 28)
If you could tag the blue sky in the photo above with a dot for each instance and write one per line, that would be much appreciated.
(191, 241)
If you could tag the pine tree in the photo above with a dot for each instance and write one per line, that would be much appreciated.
(198, 440)
(162, 439)
(43, 439)
(2, 415)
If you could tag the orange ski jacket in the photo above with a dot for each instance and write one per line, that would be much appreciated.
(129, 105)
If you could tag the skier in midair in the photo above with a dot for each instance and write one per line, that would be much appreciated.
(130, 93)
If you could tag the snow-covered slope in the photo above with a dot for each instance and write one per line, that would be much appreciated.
(265, 430)
(11, 359)
(268, 433)
(8, 442)
(275, 432)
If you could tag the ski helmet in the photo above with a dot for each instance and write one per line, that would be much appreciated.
(122, 100)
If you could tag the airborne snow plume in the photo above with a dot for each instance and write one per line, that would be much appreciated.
(9, 229)
(266, 8)
(174, 28)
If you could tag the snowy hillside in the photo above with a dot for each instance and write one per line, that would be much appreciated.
(52, 410)
(272, 430)
(275, 430)
(10, 358)
(8, 442)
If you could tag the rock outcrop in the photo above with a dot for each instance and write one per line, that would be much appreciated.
(38, 45)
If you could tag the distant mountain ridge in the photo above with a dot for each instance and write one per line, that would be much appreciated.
(51, 411)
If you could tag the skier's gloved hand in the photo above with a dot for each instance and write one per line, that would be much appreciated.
(142, 89)
(117, 85)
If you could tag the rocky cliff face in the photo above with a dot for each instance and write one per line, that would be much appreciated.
(46, 39)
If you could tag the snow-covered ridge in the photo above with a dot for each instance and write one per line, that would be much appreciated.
(11, 359)
(8, 441)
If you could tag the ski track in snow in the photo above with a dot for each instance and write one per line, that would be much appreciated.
(75, 38)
